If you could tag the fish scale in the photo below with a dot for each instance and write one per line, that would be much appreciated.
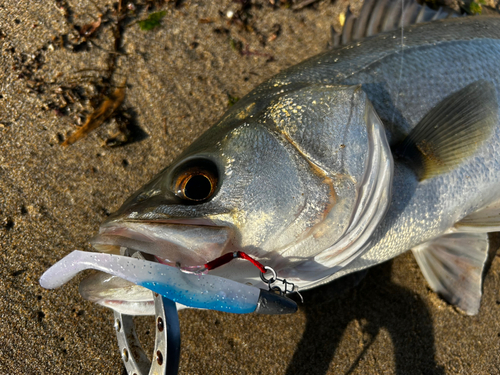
(432, 74)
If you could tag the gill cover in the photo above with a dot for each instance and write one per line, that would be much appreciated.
(365, 160)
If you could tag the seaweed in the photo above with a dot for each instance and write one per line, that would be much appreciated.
(152, 21)
(232, 100)
(101, 114)
(475, 7)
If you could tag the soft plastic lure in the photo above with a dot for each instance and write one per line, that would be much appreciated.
(193, 290)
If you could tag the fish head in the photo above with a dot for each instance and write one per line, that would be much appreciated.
(280, 178)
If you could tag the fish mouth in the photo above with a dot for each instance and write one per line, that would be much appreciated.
(184, 243)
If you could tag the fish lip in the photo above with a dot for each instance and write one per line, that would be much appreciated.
(134, 235)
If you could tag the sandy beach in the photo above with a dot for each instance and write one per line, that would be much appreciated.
(59, 59)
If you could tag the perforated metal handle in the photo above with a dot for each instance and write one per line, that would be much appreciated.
(167, 342)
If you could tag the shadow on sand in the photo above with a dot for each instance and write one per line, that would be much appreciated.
(378, 302)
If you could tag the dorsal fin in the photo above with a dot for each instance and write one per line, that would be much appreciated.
(377, 16)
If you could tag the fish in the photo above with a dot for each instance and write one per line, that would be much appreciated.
(382, 145)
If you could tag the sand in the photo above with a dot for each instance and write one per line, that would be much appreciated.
(180, 77)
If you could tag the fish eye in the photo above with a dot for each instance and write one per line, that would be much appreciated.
(196, 181)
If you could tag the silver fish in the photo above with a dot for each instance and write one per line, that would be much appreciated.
(335, 165)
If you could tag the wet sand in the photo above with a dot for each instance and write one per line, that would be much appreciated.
(180, 77)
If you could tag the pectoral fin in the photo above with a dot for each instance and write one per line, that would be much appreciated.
(452, 131)
(453, 266)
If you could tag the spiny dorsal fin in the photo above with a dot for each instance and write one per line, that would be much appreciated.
(452, 131)
(453, 265)
(377, 16)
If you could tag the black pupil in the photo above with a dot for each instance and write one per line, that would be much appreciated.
(198, 188)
